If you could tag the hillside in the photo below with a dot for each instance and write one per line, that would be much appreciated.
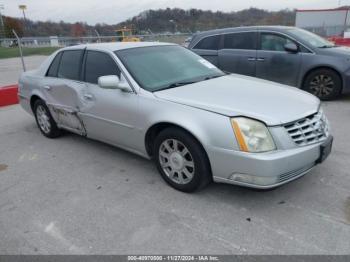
(156, 21)
(198, 20)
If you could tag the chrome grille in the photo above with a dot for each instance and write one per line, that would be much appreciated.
(309, 130)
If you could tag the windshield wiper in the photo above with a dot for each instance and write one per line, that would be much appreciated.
(177, 84)
(327, 46)
(211, 77)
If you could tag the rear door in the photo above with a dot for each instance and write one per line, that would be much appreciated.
(62, 87)
(208, 48)
(238, 53)
(274, 63)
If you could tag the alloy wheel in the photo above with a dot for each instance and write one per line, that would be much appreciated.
(43, 119)
(176, 161)
(322, 85)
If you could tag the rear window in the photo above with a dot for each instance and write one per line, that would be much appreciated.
(246, 40)
(209, 43)
(70, 64)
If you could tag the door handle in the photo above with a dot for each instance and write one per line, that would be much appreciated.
(48, 88)
(261, 59)
(88, 96)
(251, 58)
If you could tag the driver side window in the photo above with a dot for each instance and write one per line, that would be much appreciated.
(273, 42)
(99, 64)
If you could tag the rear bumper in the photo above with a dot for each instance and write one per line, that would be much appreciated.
(263, 170)
(25, 103)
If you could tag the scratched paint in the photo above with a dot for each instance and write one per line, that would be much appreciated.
(3, 167)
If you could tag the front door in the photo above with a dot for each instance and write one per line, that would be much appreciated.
(108, 114)
(274, 63)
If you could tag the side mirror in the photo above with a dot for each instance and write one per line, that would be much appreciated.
(291, 47)
(113, 82)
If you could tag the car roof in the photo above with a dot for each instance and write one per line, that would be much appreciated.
(115, 46)
(243, 28)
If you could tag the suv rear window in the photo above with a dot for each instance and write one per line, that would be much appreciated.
(209, 43)
(70, 64)
(245, 40)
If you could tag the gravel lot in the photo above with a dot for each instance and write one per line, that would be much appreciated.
(72, 195)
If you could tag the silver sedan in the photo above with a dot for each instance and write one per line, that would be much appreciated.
(164, 102)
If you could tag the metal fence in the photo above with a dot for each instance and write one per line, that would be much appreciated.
(69, 41)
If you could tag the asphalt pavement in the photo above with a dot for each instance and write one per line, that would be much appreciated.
(72, 195)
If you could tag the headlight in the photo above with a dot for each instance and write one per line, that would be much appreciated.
(252, 136)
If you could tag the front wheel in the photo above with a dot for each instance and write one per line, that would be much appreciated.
(323, 83)
(181, 160)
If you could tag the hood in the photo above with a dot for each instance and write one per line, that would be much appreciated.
(238, 95)
(339, 51)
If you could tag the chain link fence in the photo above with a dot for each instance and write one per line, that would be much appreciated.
(55, 41)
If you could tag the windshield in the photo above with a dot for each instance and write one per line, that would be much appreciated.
(311, 38)
(157, 68)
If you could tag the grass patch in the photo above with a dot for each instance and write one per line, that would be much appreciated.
(8, 52)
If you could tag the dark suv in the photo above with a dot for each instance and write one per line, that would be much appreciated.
(287, 55)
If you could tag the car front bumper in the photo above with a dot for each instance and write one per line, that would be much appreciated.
(266, 170)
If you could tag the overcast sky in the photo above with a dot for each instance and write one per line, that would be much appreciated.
(114, 11)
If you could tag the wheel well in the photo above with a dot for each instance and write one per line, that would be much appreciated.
(320, 68)
(154, 130)
(33, 99)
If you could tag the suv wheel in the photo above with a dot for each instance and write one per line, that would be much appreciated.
(181, 160)
(323, 83)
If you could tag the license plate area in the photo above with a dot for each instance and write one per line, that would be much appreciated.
(325, 149)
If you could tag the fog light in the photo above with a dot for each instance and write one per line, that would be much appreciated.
(254, 180)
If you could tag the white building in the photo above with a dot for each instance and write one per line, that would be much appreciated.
(325, 22)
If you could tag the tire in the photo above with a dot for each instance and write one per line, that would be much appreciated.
(326, 84)
(187, 168)
(45, 121)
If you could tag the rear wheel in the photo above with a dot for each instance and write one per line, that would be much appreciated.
(45, 121)
(323, 83)
(181, 160)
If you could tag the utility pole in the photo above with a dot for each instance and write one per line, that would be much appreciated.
(23, 8)
(2, 24)
(98, 36)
